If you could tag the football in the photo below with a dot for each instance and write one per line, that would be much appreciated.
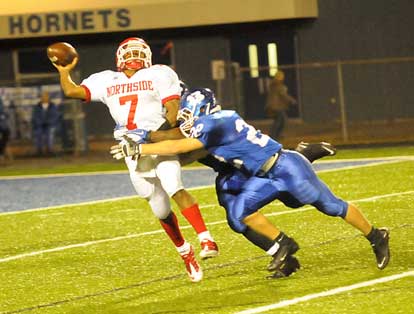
(61, 53)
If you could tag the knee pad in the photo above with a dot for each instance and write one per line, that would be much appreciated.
(236, 225)
(159, 201)
(143, 186)
(169, 173)
(332, 208)
(235, 216)
(152, 191)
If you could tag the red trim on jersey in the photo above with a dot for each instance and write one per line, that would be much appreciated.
(172, 97)
(88, 93)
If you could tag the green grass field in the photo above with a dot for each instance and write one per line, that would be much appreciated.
(112, 257)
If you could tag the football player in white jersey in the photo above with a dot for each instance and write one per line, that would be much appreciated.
(145, 96)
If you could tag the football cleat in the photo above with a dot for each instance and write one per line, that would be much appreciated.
(380, 246)
(314, 151)
(209, 249)
(289, 266)
(288, 247)
(194, 270)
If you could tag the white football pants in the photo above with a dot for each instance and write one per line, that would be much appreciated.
(156, 178)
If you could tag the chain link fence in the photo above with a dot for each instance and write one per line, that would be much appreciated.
(345, 102)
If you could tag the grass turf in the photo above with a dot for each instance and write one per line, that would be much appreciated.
(132, 267)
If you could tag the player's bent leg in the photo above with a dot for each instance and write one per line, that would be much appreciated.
(357, 219)
(169, 172)
(192, 214)
(379, 238)
(185, 249)
(283, 246)
(262, 225)
(158, 199)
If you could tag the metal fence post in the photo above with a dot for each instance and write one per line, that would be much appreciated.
(344, 121)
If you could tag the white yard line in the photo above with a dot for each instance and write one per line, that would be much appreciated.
(372, 164)
(327, 293)
(136, 235)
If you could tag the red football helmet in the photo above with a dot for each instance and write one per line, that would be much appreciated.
(133, 54)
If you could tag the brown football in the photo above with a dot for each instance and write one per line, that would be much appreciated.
(61, 53)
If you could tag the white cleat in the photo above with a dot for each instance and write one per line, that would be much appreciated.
(194, 270)
(209, 249)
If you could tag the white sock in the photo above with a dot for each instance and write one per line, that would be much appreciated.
(183, 249)
(273, 249)
(205, 235)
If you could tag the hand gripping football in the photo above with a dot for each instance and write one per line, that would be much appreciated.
(61, 53)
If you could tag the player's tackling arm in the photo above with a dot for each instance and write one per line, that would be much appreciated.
(171, 147)
(175, 134)
(70, 88)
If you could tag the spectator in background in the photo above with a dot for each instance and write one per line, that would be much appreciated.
(277, 103)
(4, 131)
(45, 120)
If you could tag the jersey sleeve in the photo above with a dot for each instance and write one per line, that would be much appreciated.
(94, 86)
(205, 131)
(167, 83)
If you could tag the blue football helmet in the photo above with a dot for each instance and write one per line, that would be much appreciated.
(194, 104)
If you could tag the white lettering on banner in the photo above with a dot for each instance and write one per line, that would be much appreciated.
(92, 20)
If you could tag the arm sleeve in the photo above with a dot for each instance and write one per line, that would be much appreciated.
(204, 132)
(94, 86)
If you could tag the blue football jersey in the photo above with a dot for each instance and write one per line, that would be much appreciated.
(230, 139)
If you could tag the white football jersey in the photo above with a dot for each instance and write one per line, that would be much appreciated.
(136, 101)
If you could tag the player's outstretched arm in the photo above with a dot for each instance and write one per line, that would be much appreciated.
(70, 88)
(173, 147)
(129, 147)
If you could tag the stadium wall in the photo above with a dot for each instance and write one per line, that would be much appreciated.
(355, 30)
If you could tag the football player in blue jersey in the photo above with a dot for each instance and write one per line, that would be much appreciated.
(254, 171)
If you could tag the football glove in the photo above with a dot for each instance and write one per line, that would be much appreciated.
(126, 148)
(139, 135)
(119, 132)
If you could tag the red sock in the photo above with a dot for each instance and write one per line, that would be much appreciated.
(170, 225)
(193, 216)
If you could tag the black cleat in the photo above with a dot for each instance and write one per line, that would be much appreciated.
(379, 242)
(288, 267)
(314, 151)
(288, 247)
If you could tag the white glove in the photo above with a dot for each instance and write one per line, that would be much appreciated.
(119, 132)
(126, 148)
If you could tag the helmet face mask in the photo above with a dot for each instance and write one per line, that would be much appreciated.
(133, 54)
(194, 104)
